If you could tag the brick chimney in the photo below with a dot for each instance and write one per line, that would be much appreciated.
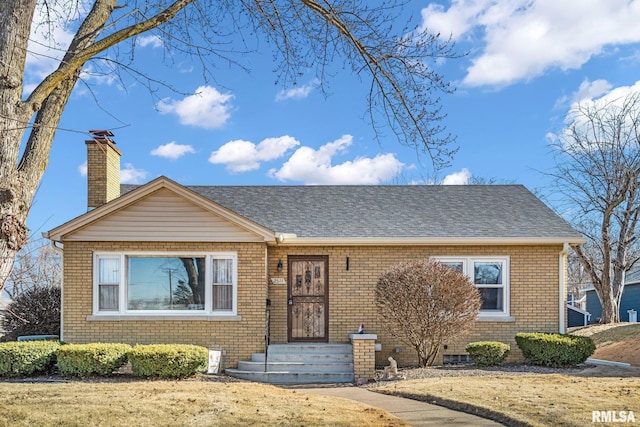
(103, 169)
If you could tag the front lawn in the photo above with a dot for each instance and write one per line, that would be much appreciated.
(173, 403)
(566, 399)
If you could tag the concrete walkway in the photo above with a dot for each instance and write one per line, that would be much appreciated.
(413, 412)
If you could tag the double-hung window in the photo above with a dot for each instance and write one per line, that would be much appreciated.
(222, 281)
(165, 283)
(108, 283)
(491, 277)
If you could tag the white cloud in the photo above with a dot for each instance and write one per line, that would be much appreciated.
(599, 99)
(172, 150)
(150, 40)
(82, 169)
(314, 166)
(525, 38)
(590, 97)
(244, 156)
(299, 92)
(131, 175)
(457, 178)
(591, 89)
(587, 90)
(206, 108)
(99, 72)
(48, 40)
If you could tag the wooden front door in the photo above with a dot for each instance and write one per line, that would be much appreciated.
(308, 298)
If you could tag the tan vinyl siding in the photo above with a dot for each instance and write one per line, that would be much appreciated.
(163, 216)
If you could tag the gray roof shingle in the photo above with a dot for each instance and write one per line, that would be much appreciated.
(409, 211)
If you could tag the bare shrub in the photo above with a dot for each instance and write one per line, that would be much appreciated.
(426, 304)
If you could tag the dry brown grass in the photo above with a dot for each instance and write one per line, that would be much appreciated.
(547, 399)
(536, 400)
(171, 403)
(609, 333)
(619, 342)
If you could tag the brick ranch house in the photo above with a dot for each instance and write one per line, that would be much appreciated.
(167, 263)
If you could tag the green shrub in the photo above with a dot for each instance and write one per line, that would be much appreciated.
(488, 353)
(168, 360)
(91, 359)
(27, 357)
(555, 350)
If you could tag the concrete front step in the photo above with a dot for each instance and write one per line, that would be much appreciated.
(303, 357)
(299, 364)
(277, 366)
(291, 377)
(317, 348)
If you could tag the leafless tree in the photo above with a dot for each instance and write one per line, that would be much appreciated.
(34, 291)
(597, 171)
(577, 278)
(37, 265)
(426, 304)
(305, 35)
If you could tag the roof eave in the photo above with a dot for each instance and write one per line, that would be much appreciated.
(427, 241)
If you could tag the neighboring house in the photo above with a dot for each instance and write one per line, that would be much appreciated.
(630, 300)
(577, 316)
(168, 263)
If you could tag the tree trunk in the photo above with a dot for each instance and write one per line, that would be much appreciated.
(15, 21)
(610, 306)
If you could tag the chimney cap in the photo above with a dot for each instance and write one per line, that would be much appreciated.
(98, 132)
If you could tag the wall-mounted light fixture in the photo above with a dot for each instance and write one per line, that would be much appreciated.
(280, 266)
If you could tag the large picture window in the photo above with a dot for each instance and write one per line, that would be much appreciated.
(490, 275)
(142, 283)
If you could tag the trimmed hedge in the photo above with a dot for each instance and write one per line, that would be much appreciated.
(27, 357)
(488, 353)
(168, 360)
(91, 359)
(555, 350)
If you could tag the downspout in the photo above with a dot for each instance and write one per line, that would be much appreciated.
(562, 287)
(60, 250)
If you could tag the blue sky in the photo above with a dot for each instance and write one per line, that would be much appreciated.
(528, 62)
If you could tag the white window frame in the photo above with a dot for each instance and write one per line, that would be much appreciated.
(123, 310)
(468, 268)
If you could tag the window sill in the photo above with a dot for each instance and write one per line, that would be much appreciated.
(155, 317)
(495, 318)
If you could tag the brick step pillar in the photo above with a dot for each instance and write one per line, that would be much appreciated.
(364, 356)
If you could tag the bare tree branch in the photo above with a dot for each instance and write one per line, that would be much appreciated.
(306, 37)
(598, 171)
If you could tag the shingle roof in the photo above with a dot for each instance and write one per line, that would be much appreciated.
(633, 276)
(416, 211)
